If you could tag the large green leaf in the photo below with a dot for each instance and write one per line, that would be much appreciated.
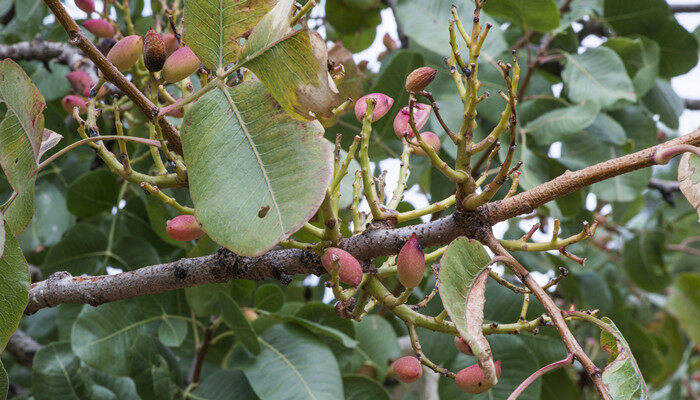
(462, 283)
(378, 343)
(302, 368)
(21, 132)
(597, 74)
(359, 387)
(540, 15)
(55, 374)
(640, 16)
(622, 376)
(92, 193)
(641, 58)
(643, 261)
(4, 383)
(684, 304)
(235, 319)
(665, 102)
(245, 155)
(52, 218)
(213, 28)
(14, 285)
(679, 49)
(291, 64)
(563, 122)
(225, 385)
(317, 328)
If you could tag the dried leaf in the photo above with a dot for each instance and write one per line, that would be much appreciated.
(48, 141)
(689, 179)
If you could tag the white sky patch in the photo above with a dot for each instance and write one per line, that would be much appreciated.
(113, 271)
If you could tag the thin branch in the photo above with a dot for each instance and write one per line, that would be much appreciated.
(112, 74)
(570, 182)
(547, 368)
(23, 348)
(684, 8)
(202, 348)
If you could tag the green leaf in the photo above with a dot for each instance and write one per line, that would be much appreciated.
(172, 332)
(664, 101)
(347, 19)
(539, 15)
(378, 343)
(55, 374)
(597, 74)
(317, 328)
(360, 387)
(561, 123)
(119, 387)
(607, 130)
(265, 159)
(21, 132)
(269, 297)
(80, 251)
(679, 48)
(640, 16)
(92, 193)
(684, 304)
(291, 64)
(302, 368)
(622, 376)
(214, 28)
(14, 285)
(225, 385)
(52, 218)
(462, 283)
(643, 261)
(641, 58)
(51, 80)
(235, 319)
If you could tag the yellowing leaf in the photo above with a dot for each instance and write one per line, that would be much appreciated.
(689, 179)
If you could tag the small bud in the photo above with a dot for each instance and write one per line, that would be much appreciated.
(79, 81)
(463, 346)
(71, 101)
(410, 263)
(171, 43)
(350, 270)
(421, 113)
(106, 45)
(126, 52)
(86, 5)
(154, 53)
(419, 79)
(382, 107)
(250, 315)
(99, 27)
(472, 379)
(389, 42)
(408, 369)
(184, 228)
(181, 64)
(431, 140)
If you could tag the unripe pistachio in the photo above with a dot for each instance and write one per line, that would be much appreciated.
(171, 43)
(349, 271)
(410, 263)
(106, 45)
(472, 379)
(99, 27)
(408, 369)
(71, 101)
(421, 113)
(382, 106)
(184, 228)
(463, 346)
(86, 5)
(419, 79)
(126, 52)
(79, 81)
(431, 140)
(181, 64)
(153, 51)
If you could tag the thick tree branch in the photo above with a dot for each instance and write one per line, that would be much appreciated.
(45, 51)
(23, 348)
(570, 182)
(376, 241)
(684, 8)
(110, 72)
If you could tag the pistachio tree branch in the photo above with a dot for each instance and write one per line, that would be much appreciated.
(570, 182)
(41, 50)
(112, 74)
(22, 347)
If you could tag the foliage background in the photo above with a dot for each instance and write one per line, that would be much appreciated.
(594, 103)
